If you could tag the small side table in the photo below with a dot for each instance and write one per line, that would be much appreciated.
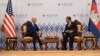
(89, 38)
(49, 39)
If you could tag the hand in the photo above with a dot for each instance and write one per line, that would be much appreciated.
(39, 33)
(70, 31)
(67, 31)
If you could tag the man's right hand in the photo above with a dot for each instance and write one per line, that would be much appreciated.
(70, 31)
(67, 31)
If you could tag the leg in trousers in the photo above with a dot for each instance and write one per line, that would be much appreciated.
(65, 37)
(71, 41)
(34, 43)
(40, 44)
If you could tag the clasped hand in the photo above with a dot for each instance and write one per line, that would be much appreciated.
(69, 31)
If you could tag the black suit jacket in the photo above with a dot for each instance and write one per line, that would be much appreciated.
(73, 27)
(31, 29)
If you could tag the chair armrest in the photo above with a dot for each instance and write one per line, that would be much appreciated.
(63, 33)
(79, 33)
(23, 34)
(40, 34)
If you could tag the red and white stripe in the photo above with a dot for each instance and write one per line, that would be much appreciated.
(8, 26)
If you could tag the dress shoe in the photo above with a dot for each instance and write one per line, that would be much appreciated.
(34, 49)
(64, 48)
(71, 49)
(41, 47)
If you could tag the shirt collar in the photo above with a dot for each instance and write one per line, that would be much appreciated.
(32, 23)
(69, 23)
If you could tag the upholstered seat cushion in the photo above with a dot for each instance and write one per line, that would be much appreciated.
(76, 38)
(27, 38)
(11, 40)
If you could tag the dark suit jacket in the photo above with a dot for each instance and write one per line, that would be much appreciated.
(31, 29)
(73, 27)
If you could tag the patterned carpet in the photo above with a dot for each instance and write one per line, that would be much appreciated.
(51, 53)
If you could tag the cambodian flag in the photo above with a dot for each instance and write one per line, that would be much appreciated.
(94, 20)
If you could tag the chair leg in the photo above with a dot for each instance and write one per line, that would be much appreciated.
(24, 45)
(8, 45)
(79, 45)
(94, 43)
(85, 43)
(46, 46)
(62, 45)
(97, 47)
(41, 47)
(15, 45)
(57, 45)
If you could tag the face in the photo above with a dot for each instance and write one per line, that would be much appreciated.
(67, 20)
(34, 20)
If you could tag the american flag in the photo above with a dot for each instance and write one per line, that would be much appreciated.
(8, 26)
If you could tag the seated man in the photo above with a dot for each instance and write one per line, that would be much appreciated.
(70, 32)
(33, 31)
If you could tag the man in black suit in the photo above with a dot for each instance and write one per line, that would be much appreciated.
(69, 32)
(33, 31)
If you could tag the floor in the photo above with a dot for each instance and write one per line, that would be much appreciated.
(51, 53)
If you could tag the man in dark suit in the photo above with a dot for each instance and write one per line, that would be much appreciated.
(33, 31)
(70, 32)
